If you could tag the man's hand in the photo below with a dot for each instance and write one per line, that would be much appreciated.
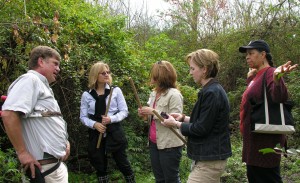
(27, 161)
(65, 157)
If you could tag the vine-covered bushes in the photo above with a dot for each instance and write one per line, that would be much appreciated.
(85, 33)
(9, 167)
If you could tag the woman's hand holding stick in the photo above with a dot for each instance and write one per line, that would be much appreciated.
(172, 129)
(106, 111)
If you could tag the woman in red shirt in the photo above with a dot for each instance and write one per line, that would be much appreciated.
(261, 168)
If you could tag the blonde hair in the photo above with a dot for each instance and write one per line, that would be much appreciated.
(95, 70)
(164, 74)
(205, 58)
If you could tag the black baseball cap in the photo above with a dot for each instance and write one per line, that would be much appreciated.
(257, 44)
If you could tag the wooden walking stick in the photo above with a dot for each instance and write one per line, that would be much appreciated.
(135, 92)
(106, 111)
(136, 96)
(172, 129)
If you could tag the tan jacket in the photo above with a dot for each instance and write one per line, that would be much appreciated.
(170, 102)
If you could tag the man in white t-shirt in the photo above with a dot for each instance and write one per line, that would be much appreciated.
(33, 120)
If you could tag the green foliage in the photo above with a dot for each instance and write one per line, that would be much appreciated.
(235, 98)
(190, 96)
(267, 150)
(293, 85)
(138, 152)
(85, 33)
(232, 63)
(162, 47)
(82, 178)
(290, 168)
(280, 150)
(290, 161)
(9, 167)
(235, 171)
(185, 166)
(81, 34)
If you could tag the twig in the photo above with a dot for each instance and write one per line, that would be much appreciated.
(136, 96)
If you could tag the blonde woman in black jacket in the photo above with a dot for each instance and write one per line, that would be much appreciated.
(207, 129)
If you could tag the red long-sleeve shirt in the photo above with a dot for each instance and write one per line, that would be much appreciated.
(253, 142)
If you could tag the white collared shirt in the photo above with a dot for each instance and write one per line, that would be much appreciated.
(31, 93)
(118, 109)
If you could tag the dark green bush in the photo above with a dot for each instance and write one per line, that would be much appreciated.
(9, 167)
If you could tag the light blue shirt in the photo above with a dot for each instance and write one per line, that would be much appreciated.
(118, 109)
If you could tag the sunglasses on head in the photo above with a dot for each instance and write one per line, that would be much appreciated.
(105, 73)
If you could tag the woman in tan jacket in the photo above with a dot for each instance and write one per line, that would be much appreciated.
(165, 146)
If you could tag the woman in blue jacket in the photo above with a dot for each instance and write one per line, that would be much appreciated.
(207, 128)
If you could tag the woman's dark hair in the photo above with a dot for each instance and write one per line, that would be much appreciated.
(164, 75)
(268, 57)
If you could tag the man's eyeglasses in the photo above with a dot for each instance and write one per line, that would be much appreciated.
(105, 73)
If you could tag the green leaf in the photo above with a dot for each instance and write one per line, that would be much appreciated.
(267, 150)
(279, 75)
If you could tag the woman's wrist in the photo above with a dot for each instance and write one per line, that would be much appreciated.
(178, 124)
(276, 78)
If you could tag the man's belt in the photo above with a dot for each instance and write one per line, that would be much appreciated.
(39, 176)
(45, 114)
(48, 161)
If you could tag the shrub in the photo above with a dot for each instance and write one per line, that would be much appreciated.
(9, 167)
